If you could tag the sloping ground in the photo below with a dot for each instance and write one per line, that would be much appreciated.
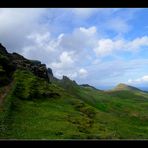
(35, 109)
(53, 116)
(3, 93)
(122, 86)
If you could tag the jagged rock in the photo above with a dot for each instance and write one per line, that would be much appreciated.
(50, 71)
(6, 66)
(3, 49)
(34, 66)
(50, 74)
(40, 71)
(65, 78)
(16, 61)
(74, 82)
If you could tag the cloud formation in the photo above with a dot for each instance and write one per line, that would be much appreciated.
(83, 72)
(65, 61)
(108, 46)
(95, 46)
(143, 79)
(16, 24)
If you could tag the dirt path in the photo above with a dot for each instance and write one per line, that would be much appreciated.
(3, 92)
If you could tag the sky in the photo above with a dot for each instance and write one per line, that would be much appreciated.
(98, 46)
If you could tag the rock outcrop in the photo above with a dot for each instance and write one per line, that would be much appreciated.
(6, 67)
(50, 75)
(10, 62)
(65, 79)
(36, 67)
(3, 49)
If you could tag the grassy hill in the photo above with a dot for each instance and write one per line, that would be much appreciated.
(122, 86)
(35, 107)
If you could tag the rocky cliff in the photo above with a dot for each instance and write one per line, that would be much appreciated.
(11, 62)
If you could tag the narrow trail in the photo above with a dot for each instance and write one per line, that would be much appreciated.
(3, 92)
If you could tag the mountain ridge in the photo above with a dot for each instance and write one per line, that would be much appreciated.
(20, 62)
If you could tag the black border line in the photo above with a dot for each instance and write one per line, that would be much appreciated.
(73, 3)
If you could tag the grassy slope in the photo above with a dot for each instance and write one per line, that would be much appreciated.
(74, 113)
(48, 117)
(124, 112)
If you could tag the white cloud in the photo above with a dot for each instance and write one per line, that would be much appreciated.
(63, 53)
(42, 46)
(16, 24)
(72, 72)
(137, 43)
(80, 39)
(66, 58)
(38, 34)
(83, 72)
(65, 61)
(143, 79)
(112, 72)
(108, 46)
(72, 75)
(88, 31)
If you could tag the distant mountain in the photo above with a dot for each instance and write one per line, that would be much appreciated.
(123, 86)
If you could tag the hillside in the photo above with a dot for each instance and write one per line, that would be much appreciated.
(122, 86)
(36, 105)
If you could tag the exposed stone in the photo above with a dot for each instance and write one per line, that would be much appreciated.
(50, 71)
(66, 78)
(19, 62)
(50, 74)
(3, 49)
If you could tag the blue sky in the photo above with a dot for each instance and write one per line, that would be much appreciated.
(98, 46)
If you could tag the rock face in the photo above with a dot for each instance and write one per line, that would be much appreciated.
(65, 80)
(3, 49)
(6, 66)
(36, 67)
(50, 74)
(10, 62)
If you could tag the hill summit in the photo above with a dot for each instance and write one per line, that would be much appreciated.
(122, 86)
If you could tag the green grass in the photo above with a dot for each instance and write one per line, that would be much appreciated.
(34, 109)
